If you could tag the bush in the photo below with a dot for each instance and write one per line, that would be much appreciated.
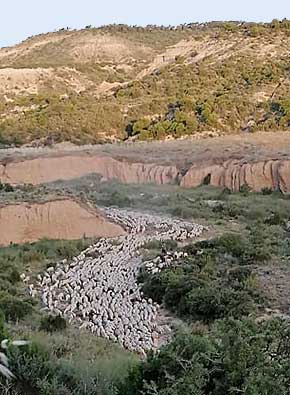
(210, 283)
(158, 245)
(230, 243)
(13, 276)
(207, 180)
(118, 199)
(275, 219)
(3, 333)
(6, 187)
(38, 372)
(13, 307)
(182, 212)
(52, 323)
(266, 191)
(236, 357)
(154, 286)
(225, 193)
(215, 280)
(153, 245)
(245, 189)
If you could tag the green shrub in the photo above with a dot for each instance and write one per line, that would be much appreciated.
(275, 219)
(230, 243)
(13, 307)
(215, 280)
(182, 212)
(158, 245)
(14, 276)
(6, 187)
(116, 198)
(39, 372)
(153, 245)
(245, 189)
(3, 333)
(225, 193)
(266, 191)
(236, 357)
(154, 286)
(31, 255)
(52, 323)
(210, 282)
(207, 179)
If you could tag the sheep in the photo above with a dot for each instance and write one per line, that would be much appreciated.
(98, 290)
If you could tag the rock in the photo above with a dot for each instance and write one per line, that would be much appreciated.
(48, 169)
(233, 174)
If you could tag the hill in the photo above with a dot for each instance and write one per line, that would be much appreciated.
(115, 82)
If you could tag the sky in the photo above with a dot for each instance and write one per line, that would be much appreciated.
(20, 19)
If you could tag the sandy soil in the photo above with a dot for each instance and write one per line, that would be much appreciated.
(78, 46)
(261, 160)
(58, 219)
(181, 153)
(30, 81)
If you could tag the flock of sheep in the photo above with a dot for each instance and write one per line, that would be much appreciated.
(98, 290)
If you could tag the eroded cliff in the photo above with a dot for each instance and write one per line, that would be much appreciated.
(58, 219)
(259, 161)
(47, 169)
(233, 174)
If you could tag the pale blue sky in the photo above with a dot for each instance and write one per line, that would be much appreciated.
(22, 18)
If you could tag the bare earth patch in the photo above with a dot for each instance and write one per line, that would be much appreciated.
(31, 81)
(59, 219)
(259, 160)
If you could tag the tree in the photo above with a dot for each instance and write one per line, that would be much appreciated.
(141, 125)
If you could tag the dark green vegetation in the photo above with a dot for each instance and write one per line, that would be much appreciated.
(209, 95)
(217, 278)
(231, 77)
(214, 281)
(214, 291)
(32, 259)
(6, 188)
(234, 357)
(63, 363)
(59, 360)
(53, 323)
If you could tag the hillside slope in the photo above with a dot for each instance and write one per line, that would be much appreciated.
(116, 82)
